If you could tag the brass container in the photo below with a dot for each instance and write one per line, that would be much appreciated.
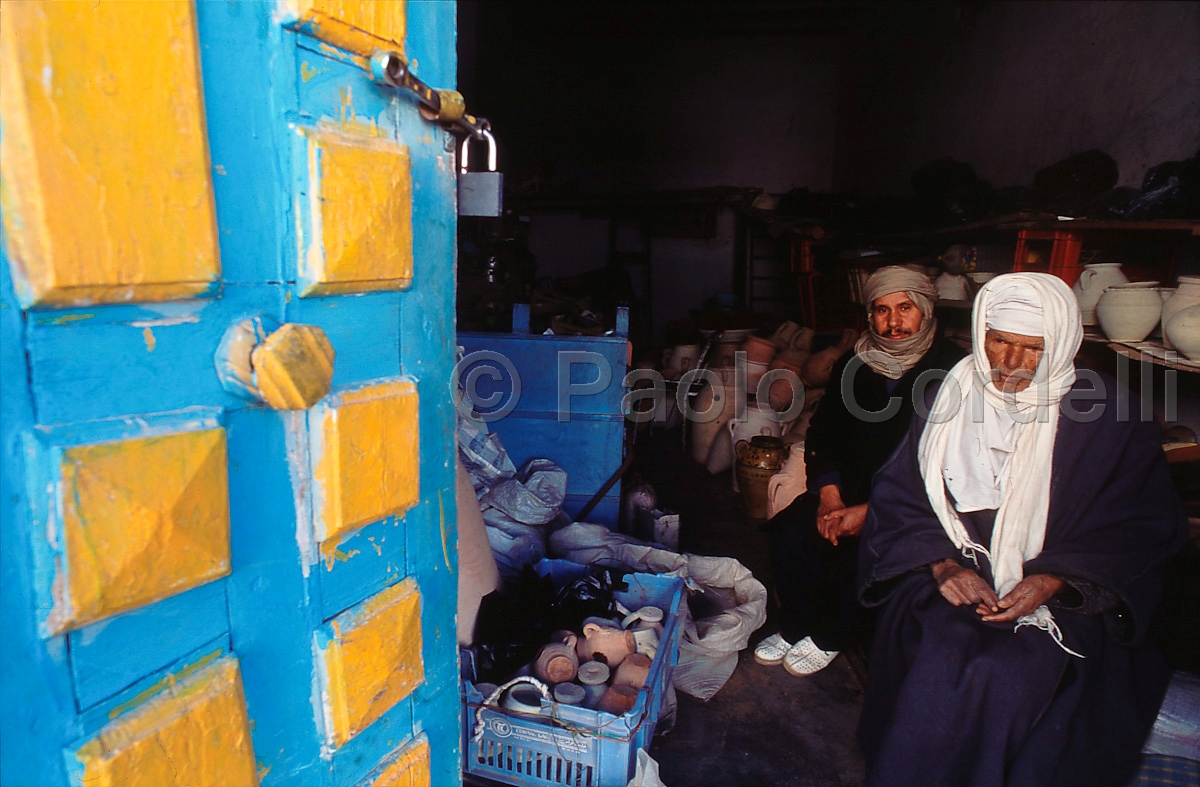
(758, 459)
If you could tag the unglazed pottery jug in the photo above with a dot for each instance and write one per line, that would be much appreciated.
(557, 661)
(1092, 282)
(757, 460)
(1128, 312)
(1183, 330)
(610, 645)
(1187, 294)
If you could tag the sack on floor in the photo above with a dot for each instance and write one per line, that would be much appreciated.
(728, 604)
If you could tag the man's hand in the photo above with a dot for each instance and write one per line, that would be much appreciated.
(831, 500)
(960, 585)
(842, 522)
(1029, 594)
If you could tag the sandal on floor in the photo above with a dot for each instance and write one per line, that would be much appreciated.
(772, 650)
(805, 658)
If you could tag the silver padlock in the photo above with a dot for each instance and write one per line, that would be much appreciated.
(480, 193)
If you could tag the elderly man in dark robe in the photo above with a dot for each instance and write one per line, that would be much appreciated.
(862, 417)
(1015, 542)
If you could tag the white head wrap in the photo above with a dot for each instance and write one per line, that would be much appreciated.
(984, 424)
(893, 357)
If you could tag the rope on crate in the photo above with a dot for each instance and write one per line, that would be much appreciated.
(493, 699)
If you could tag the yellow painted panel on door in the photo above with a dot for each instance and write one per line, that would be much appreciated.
(196, 732)
(366, 457)
(371, 659)
(107, 192)
(141, 520)
(409, 769)
(358, 234)
(357, 26)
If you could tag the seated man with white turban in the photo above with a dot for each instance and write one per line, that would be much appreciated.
(1015, 541)
(860, 420)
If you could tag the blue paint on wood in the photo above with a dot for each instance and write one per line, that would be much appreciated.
(154, 682)
(369, 560)
(106, 656)
(76, 367)
(273, 607)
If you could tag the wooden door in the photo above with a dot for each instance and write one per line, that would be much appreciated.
(228, 547)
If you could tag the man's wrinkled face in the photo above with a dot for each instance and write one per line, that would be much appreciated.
(895, 316)
(1014, 358)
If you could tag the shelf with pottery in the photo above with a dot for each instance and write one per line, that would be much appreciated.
(1151, 350)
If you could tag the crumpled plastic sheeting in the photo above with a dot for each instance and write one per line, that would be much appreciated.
(708, 649)
(533, 497)
(482, 454)
(646, 774)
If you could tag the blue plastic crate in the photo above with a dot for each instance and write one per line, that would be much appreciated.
(567, 744)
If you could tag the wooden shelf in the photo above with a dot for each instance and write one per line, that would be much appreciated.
(1151, 350)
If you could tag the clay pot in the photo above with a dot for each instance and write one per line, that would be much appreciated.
(951, 287)
(569, 694)
(757, 460)
(593, 676)
(820, 365)
(754, 373)
(719, 397)
(1092, 282)
(791, 336)
(756, 424)
(758, 350)
(722, 354)
(610, 645)
(633, 671)
(781, 394)
(1183, 330)
(618, 700)
(1187, 294)
(1128, 312)
(557, 661)
(683, 358)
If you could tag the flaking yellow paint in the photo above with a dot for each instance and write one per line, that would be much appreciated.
(410, 768)
(356, 26)
(106, 189)
(195, 733)
(366, 460)
(141, 520)
(372, 659)
(358, 236)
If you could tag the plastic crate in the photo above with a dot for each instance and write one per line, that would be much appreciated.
(567, 744)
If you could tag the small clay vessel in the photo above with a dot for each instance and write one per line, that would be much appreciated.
(607, 644)
(633, 671)
(557, 661)
(618, 700)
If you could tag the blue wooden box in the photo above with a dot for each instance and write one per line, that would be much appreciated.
(569, 407)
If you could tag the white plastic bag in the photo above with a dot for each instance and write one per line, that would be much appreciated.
(646, 774)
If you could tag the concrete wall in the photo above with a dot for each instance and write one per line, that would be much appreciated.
(1011, 87)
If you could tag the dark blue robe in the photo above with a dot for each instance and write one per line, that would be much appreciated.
(952, 700)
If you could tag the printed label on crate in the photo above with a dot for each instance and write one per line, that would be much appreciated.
(501, 728)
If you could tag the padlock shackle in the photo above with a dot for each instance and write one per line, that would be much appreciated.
(464, 157)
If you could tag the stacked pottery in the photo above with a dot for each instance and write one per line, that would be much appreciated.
(1128, 312)
(557, 661)
(1187, 295)
(759, 353)
(1183, 331)
(715, 405)
(758, 460)
(783, 392)
(682, 359)
(1091, 285)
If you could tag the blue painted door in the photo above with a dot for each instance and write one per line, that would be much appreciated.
(227, 550)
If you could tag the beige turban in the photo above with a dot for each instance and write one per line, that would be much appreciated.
(893, 357)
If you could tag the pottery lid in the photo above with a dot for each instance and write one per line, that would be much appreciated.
(593, 673)
(650, 614)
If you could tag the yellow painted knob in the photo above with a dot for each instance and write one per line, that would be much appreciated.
(293, 367)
